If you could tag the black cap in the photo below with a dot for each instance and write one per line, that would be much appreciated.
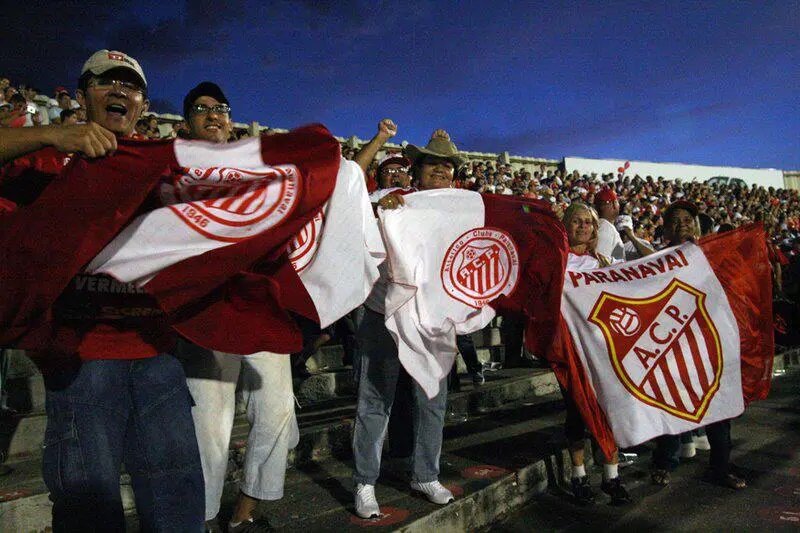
(205, 88)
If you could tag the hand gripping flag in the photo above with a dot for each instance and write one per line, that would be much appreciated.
(670, 342)
(215, 255)
(457, 258)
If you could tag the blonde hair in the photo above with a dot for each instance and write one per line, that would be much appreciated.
(574, 208)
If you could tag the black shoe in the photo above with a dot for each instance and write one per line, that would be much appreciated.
(617, 491)
(212, 526)
(582, 490)
(259, 525)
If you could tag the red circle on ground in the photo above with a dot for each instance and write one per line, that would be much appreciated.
(788, 491)
(457, 490)
(389, 517)
(8, 495)
(484, 472)
(780, 515)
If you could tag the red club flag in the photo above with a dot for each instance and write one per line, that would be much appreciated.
(212, 251)
(670, 342)
(457, 258)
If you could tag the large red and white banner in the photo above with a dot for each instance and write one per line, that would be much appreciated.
(673, 341)
(457, 258)
(219, 246)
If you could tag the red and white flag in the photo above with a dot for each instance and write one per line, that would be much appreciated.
(212, 251)
(670, 342)
(457, 258)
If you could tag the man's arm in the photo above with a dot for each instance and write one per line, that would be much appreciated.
(641, 246)
(386, 130)
(90, 139)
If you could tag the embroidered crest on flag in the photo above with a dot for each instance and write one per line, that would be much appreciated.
(665, 349)
(480, 265)
(304, 246)
(230, 204)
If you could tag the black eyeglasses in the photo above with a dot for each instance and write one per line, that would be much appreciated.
(104, 83)
(203, 109)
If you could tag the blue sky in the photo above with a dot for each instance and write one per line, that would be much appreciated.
(698, 82)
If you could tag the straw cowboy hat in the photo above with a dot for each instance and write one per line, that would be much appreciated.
(437, 147)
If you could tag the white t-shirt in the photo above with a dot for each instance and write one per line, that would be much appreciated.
(609, 243)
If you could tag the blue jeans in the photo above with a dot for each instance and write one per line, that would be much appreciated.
(110, 412)
(377, 371)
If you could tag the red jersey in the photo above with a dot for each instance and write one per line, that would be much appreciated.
(114, 320)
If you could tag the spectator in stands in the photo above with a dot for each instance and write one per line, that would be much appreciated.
(386, 130)
(68, 117)
(433, 168)
(609, 242)
(142, 127)
(179, 130)
(40, 117)
(92, 424)
(265, 378)
(20, 114)
(80, 112)
(64, 103)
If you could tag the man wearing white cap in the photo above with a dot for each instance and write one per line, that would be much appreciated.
(114, 393)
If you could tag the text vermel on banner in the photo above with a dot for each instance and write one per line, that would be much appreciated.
(665, 349)
(480, 265)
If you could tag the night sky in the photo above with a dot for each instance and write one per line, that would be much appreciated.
(697, 82)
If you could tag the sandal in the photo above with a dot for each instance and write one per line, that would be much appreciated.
(730, 481)
(660, 477)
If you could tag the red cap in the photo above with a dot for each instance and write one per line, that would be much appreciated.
(605, 195)
(59, 90)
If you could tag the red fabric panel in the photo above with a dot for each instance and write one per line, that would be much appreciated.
(567, 367)
(47, 242)
(542, 243)
(740, 261)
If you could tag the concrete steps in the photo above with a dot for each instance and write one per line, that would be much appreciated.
(325, 436)
(509, 449)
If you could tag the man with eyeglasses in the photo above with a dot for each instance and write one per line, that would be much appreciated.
(114, 393)
(265, 381)
(208, 113)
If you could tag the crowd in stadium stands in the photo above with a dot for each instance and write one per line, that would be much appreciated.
(635, 205)
(642, 198)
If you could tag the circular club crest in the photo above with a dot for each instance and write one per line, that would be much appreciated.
(480, 265)
(230, 204)
(304, 246)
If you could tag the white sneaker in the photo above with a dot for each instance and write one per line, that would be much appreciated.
(434, 491)
(688, 450)
(366, 504)
(701, 443)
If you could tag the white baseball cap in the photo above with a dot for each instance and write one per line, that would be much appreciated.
(104, 60)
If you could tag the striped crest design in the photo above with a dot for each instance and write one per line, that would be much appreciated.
(664, 349)
(481, 270)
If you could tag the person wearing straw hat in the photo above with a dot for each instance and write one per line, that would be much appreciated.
(432, 167)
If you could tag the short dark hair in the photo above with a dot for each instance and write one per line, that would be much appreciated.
(66, 113)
